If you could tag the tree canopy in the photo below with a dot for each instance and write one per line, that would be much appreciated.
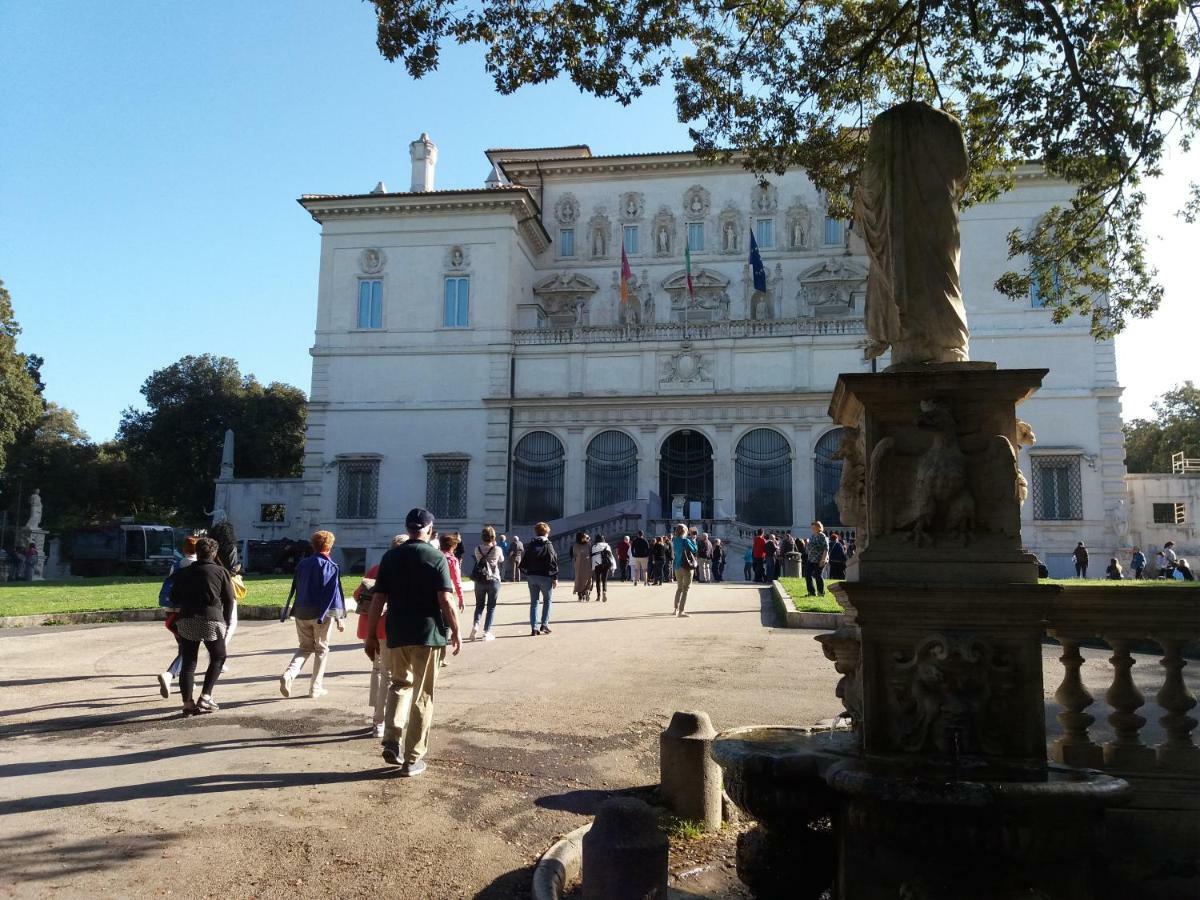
(1175, 428)
(174, 445)
(20, 398)
(1095, 91)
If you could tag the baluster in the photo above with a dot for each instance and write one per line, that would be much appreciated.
(1074, 747)
(1126, 750)
(1178, 751)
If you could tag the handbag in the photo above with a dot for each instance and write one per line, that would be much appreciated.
(239, 587)
(689, 558)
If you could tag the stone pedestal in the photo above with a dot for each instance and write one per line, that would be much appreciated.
(937, 461)
(689, 779)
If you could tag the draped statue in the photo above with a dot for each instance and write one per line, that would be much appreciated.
(907, 208)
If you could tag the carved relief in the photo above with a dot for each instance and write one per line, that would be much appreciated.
(599, 234)
(696, 203)
(852, 489)
(564, 298)
(949, 695)
(711, 290)
(566, 210)
(731, 229)
(458, 258)
(799, 227)
(832, 288)
(763, 305)
(664, 232)
(686, 366)
(765, 199)
(372, 260)
(632, 204)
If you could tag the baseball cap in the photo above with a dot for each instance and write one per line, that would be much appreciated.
(418, 518)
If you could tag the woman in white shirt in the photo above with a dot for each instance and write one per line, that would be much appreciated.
(603, 562)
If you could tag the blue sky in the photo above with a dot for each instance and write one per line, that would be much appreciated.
(152, 154)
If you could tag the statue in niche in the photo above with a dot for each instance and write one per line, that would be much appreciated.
(456, 258)
(723, 304)
(907, 206)
(649, 307)
(663, 239)
(798, 241)
(760, 306)
(730, 237)
(631, 206)
(697, 204)
(599, 242)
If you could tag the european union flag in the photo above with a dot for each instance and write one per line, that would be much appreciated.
(756, 265)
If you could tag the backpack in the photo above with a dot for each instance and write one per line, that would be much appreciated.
(164, 592)
(606, 558)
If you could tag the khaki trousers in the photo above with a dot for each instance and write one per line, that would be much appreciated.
(683, 581)
(409, 708)
(314, 640)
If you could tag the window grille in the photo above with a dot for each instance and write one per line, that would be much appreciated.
(537, 478)
(611, 469)
(827, 475)
(446, 488)
(272, 512)
(763, 470)
(686, 467)
(1169, 514)
(358, 488)
(1057, 491)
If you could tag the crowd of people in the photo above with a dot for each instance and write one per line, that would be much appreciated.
(1168, 565)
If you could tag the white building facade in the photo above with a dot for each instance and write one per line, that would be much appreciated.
(473, 355)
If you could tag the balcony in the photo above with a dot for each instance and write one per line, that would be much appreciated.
(695, 331)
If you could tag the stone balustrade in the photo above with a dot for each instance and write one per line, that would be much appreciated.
(1127, 620)
(696, 331)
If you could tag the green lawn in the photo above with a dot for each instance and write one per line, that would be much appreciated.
(126, 592)
(798, 591)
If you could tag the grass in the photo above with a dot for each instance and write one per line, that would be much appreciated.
(1119, 585)
(798, 591)
(681, 829)
(23, 598)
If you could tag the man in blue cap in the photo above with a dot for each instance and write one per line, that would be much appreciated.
(414, 582)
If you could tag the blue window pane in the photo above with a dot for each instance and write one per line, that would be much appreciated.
(696, 237)
(631, 239)
(833, 231)
(464, 301)
(370, 304)
(566, 242)
(765, 233)
(376, 304)
(456, 305)
(449, 310)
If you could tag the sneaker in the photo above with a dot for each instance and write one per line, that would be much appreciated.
(207, 705)
(413, 769)
(318, 692)
(164, 684)
(226, 669)
(488, 636)
(545, 630)
(684, 615)
(534, 633)
(474, 633)
(285, 685)
(377, 730)
(605, 596)
(391, 753)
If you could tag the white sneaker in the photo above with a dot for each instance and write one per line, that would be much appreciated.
(377, 730)
(285, 685)
(317, 692)
(164, 684)
(474, 633)
(488, 636)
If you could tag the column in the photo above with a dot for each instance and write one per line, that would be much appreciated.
(724, 494)
(802, 478)
(573, 489)
(647, 438)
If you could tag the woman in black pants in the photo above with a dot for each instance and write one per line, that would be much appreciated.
(203, 593)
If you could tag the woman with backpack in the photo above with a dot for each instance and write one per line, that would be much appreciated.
(486, 575)
(540, 565)
(581, 557)
(603, 562)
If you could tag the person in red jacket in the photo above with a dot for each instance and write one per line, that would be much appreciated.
(759, 554)
(380, 676)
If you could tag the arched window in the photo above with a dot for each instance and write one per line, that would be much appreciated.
(685, 470)
(827, 474)
(764, 478)
(537, 489)
(611, 471)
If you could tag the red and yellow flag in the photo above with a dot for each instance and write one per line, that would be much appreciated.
(626, 274)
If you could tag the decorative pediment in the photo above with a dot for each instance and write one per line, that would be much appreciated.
(711, 290)
(564, 297)
(633, 203)
(566, 210)
(835, 286)
(696, 203)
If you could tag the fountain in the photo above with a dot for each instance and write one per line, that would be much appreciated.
(941, 788)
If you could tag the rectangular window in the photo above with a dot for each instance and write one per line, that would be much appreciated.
(370, 303)
(1169, 514)
(566, 242)
(358, 488)
(1038, 299)
(1057, 492)
(457, 305)
(630, 238)
(446, 487)
(272, 512)
(765, 233)
(833, 232)
(696, 237)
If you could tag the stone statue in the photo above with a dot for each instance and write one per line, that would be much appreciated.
(649, 307)
(730, 237)
(35, 510)
(664, 240)
(907, 205)
(599, 243)
(851, 496)
(798, 241)
(1118, 517)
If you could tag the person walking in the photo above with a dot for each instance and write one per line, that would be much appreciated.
(623, 547)
(540, 566)
(658, 561)
(704, 552)
(639, 553)
(718, 560)
(377, 689)
(203, 594)
(486, 576)
(1081, 560)
(448, 543)
(317, 587)
(581, 559)
(837, 557)
(759, 548)
(516, 550)
(186, 558)
(818, 558)
(603, 564)
(748, 559)
(414, 584)
(1138, 563)
(684, 552)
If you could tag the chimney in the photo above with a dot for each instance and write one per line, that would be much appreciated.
(424, 158)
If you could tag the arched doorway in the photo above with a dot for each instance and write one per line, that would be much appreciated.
(611, 470)
(686, 469)
(763, 470)
(827, 474)
(537, 490)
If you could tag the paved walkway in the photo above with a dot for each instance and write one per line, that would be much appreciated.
(104, 790)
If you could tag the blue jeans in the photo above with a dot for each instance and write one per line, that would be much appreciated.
(489, 592)
(539, 584)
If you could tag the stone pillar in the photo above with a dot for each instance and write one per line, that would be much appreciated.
(724, 488)
(625, 853)
(689, 779)
(574, 476)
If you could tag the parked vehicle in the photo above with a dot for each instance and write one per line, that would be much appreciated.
(122, 549)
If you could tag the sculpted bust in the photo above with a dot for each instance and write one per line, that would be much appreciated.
(907, 204)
